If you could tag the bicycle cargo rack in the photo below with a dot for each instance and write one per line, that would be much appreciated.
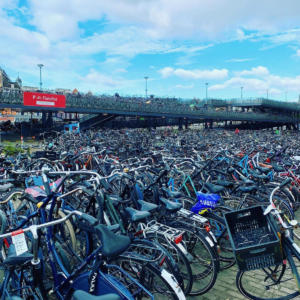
(161, 229)
(253, 237)
(192, 216)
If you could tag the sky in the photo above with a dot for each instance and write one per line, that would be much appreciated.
(109, 46)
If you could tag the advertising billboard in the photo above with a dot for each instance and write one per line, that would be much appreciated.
(44, 100)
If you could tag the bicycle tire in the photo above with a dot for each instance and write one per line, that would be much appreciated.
(170, 291)
(252, 289)
(218, 227)
(182, 261)
(204, 252)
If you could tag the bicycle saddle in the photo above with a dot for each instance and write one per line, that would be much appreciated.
(213, 188)
(247, 189)
(137, 215)
(147, 206)
(13, 259)
(5, 187)
(80, 295)
(112, 244)
(259, 176)
(263, 169)
(171, 205)
(172, 194)
(225, 183)
(278, 168)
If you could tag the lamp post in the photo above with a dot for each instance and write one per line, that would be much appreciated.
(206, 87)
(146, 86)
(242, 92)
(267, 94)
(40, 66)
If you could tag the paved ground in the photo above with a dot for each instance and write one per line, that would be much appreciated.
(224, 289)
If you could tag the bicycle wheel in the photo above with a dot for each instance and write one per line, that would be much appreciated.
(203, 260)
(159, 282)
(184, 266)
(274, 283)
(218, 227)
(20, 284)
(19, 207)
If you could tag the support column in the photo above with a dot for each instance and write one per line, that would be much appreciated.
(44, 118)
(186, 123)
(49, 122)
(180, 123)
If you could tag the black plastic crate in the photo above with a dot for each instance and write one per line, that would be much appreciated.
(51, 155)
(38, 154)
(254, 239)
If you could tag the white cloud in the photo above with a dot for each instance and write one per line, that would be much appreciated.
(138, 27)
(239, 60)
(259, 80)
(205, 20)
(166, 72)
(95, 78)
(194, 74)
(189, 50)
(237, 82)
(185, 87)
(256, 71)
(121, 70)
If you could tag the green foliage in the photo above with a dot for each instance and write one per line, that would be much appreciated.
(11, 149)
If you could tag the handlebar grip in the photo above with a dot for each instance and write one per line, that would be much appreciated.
(90, 219)
(285, 182)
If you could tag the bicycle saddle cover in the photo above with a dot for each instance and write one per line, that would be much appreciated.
(213, 188)
(225, 183)
(247, 189)
(13, 259)
(5, 187)
(172, 194)
(112, 244)
(171, 205)
(278, 168)
(147, 206)
(82, 295)
(137, 215)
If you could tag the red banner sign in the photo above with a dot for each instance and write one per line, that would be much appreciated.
(44, 100)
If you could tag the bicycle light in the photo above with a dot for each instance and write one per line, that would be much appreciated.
(178, 239)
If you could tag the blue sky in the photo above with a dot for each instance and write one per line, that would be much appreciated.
(110, 46)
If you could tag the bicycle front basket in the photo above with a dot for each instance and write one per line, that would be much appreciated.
(253, 237)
